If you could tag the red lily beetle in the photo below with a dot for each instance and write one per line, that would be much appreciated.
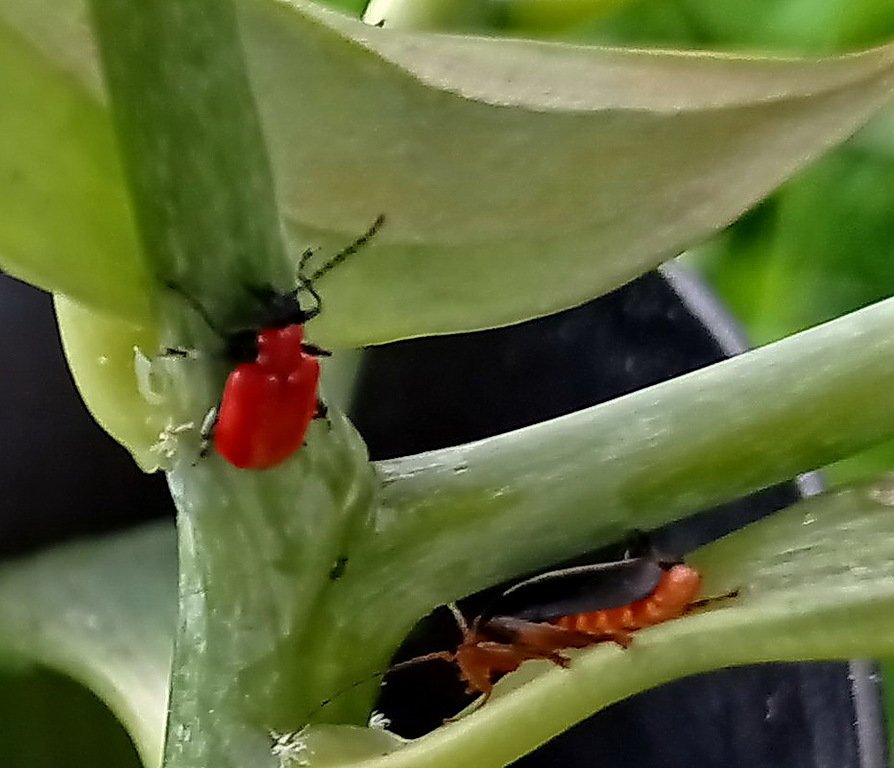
(271, 396)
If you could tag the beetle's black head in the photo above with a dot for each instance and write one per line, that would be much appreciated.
(241, 346)
(279, 309)
(274, 310)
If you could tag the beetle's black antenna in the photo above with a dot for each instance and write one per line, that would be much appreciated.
(194, 303)
(305, 283)
(339, 257)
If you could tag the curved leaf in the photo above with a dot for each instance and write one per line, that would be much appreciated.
(525, 176)
(816, 581)
(65, 221)
(103, 354)
(103, 613)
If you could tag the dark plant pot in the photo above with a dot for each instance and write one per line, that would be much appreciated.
(63, 477)
(428, 393)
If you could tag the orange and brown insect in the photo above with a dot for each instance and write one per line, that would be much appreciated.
(644, 592)
(493, 648)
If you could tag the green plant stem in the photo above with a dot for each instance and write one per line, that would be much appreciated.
(256, 551)
(192, 145)
(250, 567)
(813, 582)
(463, 518)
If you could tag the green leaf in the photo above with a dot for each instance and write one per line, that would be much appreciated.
(590, 166)
(815, 582)
(103, 354)
(465, 15)
(65, 222)
(49, 720)
(102, 613)
(554, 172)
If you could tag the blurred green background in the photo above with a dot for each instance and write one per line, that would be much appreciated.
(822, 245)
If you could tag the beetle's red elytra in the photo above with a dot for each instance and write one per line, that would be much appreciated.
(268, 405)
(271, 396)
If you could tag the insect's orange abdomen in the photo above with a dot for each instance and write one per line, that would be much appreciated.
(677, 588)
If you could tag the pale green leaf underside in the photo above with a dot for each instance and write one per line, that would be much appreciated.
(103, 613)
(465, 15)
(65, 221)
(518, 177)
(816, 581)
(101, 353)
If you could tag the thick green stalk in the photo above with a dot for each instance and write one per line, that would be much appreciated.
(814, 582)
(463, 518)
(192, 146)
(255, 549)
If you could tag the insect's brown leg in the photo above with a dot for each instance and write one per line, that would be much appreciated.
(706, 601)
(620, 637)
(471, 709)
(559, 660)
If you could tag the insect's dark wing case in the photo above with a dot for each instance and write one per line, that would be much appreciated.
(582, 589)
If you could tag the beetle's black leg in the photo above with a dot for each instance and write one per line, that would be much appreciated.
(313, 349)
(322, 412)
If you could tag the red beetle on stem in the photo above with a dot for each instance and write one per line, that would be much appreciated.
(271, 396)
